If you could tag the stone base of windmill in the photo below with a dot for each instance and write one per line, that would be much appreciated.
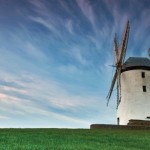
(132, 124)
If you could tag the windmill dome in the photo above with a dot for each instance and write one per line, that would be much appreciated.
(136, 63)
(135, 91)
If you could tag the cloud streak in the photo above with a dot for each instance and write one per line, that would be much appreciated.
(87, 10)
(44, 100)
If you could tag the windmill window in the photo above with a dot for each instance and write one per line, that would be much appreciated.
(144, 88)
(143, 74)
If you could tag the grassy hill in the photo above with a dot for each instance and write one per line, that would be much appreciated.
(74, 139)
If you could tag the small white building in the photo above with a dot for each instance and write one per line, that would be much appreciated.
(135, 91)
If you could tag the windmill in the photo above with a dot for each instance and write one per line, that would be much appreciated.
(133, 84)
(119, 55)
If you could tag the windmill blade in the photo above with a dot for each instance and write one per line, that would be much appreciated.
(124, 44)
(116, 49)
(112, 86)
(118, 94)
(119, 87)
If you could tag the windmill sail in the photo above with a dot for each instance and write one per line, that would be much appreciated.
(124, 44)
(119, 87)
(111, 87)
(116, 49)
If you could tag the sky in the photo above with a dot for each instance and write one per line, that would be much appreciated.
(56, 57)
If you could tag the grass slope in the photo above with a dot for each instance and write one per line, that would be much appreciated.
(74, 139)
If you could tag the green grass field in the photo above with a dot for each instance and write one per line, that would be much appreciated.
(74, 139)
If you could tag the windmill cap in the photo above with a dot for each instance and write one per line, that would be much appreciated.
(133, 63)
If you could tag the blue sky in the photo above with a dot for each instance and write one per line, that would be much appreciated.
(55, 58)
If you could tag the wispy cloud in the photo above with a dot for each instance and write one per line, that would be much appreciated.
(87, 10)
(77, 53)
(47, 24)
(45, 100)
(69, 26)
(3, 117)
(34, 52)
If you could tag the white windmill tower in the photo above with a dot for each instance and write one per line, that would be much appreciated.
(133, 84)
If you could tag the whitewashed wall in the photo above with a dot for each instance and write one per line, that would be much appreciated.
(135, 104)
